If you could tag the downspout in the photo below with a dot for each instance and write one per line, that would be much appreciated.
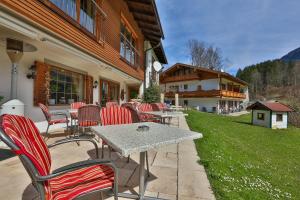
(145, 71)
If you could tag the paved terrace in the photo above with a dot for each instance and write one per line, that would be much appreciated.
(175, 172)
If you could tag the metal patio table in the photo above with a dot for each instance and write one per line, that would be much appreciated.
(127, 139)
(163, 115)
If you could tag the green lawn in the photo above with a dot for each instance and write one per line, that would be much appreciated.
(245, 161)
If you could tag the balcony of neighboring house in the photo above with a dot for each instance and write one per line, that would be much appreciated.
(179, 78)
(205, 93)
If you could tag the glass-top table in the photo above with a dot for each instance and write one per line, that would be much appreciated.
(127, 139)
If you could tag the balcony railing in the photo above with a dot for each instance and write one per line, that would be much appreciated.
(206, 93)
(128, 52)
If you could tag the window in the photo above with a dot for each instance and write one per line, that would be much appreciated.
(85, 16)
(279, 117)
(186, 102)
(66, 87)
(223, 86)
(88, 15)
(68, 6)
(185, 86)
(261, 116)
(109, 91)
(128, 45)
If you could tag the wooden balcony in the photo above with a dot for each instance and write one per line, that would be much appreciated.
(187, 77)
(207, 93)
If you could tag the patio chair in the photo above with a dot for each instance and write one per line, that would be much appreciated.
(68, 182)
(113, 116)
(50, 120)
(88, 116)
(74, 115)
(144, 117)
(111, 103)
(159, 107)
(133, 111)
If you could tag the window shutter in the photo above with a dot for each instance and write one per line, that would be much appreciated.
(41, 83)
(89, 81)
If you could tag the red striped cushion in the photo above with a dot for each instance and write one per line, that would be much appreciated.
(45, 110)
(115, 115)
(74, 115)
(111, 103)
(27, 137)
(144, 107)
(81, 181)
(77, 105)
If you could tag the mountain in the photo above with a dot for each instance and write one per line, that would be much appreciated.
(277, 79)
(292, 56)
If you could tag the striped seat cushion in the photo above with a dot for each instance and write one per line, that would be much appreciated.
(77, 105)
(81, 181)
(74, 115)
(26, 136)
(115, 115)
(23, 132)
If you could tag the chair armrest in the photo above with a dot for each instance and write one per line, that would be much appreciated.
(64, 141)
(75, 166)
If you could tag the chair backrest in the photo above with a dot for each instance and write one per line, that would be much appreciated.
(134, 113)
(46, 112)
(115, 115)
(89, 115)
(111, 103)
(158, 106)
(77, 105)
(144, 107)
(25, 139)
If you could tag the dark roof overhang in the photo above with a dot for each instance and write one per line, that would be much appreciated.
(146, 15)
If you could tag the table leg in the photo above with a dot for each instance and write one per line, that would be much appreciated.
(142, 175)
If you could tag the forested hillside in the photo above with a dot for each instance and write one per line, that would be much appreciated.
(273, 80)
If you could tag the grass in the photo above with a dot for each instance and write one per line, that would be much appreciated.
(243, 161)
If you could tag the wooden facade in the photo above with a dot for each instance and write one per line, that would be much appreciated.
(103, 45)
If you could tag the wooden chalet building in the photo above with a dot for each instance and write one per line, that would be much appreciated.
(204, 89)
(78, 50)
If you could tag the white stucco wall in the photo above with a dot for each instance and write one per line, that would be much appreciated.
(283, 123)
(199, 103)
(265, 122)
(71, 58)
(210, 84)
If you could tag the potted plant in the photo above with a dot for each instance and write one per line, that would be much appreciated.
(53, 89)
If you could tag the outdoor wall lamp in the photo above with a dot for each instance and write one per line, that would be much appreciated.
(95, 84)
(31, 72)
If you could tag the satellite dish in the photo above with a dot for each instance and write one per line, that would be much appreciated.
(157, 66)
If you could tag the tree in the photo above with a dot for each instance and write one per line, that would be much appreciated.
(205, 55)
(152, 94)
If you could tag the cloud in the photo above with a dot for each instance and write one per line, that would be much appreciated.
(247, 31)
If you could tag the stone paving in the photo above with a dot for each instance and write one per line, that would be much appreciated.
(175, 171)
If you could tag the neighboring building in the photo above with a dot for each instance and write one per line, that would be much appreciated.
(204, 89)
(87, 50)
(270, 114)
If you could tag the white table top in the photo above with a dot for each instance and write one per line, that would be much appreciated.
(126, 139)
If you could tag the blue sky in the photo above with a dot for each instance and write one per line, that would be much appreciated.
(247, 31)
